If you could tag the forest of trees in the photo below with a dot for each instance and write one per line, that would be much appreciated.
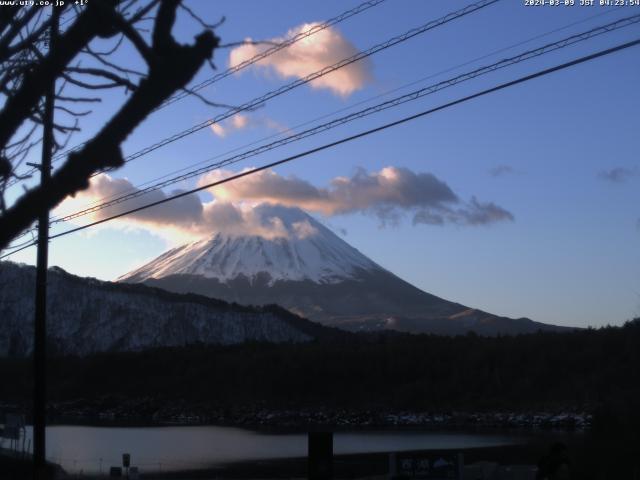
(584, 369)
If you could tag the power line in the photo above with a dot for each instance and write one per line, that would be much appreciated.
(259, 101)
(527, 55)
(274, 49)
(256, 58)
(119, 197)
(350, 107)
(467, 98)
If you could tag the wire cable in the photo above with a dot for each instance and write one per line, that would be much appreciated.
(259, 101)
(365, 133)
(133, 193)
(349, 107)
(256, 58)
(412, 96)
(274, 49)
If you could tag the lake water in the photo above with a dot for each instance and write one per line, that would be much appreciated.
(90, 449)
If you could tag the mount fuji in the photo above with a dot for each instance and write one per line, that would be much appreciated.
(307, 269)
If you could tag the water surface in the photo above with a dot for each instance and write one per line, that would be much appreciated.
(90, 449)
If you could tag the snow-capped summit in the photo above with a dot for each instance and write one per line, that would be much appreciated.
(297, 247)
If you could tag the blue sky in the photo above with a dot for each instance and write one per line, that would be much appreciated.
(540, 151)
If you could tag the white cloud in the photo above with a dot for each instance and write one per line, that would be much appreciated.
(241, 121)
(390, 195)
(304, 229)
(184, 219)
(219, 130)
(236, 122)
(321, 49)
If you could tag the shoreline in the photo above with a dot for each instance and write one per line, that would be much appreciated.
(147, 412)
(294, 421)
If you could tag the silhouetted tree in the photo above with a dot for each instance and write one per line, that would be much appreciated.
(29, 69)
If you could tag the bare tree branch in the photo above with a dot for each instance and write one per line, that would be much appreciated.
(16, 24)
(171, 67)
(7, 15)
(136, 39)
(113, 49)
(161, 40)
(72, 112)
(37, 79)
(63, 98)
(28, 40)
(91, 86)
(98, 72)
(209, 102)
(100, 58)
(198, 19)
(143, 11)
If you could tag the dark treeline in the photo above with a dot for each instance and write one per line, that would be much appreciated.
(545, 371)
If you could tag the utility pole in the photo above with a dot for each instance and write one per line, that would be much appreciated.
(40, 321)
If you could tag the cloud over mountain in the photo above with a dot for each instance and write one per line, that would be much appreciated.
(390, 195)
(311, 54)
(179, 220)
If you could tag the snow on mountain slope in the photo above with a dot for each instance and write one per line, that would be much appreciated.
(86, 316)
(306, 250)
(312, 272)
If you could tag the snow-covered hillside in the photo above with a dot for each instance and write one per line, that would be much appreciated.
(86, 315)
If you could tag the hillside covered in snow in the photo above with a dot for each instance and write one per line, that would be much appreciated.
(86, 315)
